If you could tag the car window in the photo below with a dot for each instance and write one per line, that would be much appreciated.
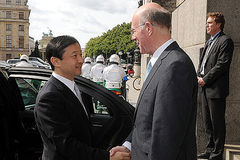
(99, 107)
(29, 89)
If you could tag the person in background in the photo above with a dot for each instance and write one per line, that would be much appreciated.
(60, 114)
(86, 68)
(165, 116)
(130, 71)
(24, 61)
(213, 79)
(114, 75)
(96, 73)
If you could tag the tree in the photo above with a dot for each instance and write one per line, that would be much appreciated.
(36, 52)
(111, 42)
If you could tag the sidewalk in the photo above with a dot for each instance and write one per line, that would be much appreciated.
(131, 93)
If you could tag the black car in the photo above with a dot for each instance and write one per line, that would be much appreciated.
(111, 116)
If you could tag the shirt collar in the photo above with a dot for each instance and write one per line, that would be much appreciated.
(67, 82)
(160, 50)
(215, 36)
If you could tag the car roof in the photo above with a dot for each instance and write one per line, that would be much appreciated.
(29, 71)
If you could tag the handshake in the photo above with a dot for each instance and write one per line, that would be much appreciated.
(120, 153)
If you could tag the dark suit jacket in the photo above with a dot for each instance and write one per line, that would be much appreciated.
(63, 125)
(216, 70)
(165, 117)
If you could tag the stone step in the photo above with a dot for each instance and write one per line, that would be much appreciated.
(232, 152)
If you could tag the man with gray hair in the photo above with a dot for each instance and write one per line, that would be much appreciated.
(165, 116)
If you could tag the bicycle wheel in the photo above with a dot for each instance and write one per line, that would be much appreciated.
(137, 83)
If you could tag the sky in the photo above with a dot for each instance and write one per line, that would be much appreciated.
(82, 19)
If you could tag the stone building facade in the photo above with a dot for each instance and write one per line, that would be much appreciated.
(14, 28)
(46, 38)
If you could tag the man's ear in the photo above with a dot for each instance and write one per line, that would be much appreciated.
(149, 28)
(55, 61)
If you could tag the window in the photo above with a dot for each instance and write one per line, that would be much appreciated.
(8, 1)
(21, 15)
(8, 56)
(29, 89)
(9, 41)
(21, 28)
(99, 107)
(18, 2)
(8, 27)
(8, 14)
(21, 42)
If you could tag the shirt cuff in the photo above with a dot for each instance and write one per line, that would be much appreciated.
(127, 145)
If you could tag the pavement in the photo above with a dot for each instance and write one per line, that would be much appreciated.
(131, 93)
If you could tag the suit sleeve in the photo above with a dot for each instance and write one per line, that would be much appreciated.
(173, 107)
(56, 128)
(223, 62)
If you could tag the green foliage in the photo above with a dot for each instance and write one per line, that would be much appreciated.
(36, 52)
(111, 42)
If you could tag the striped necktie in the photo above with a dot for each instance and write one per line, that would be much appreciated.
(208, 47)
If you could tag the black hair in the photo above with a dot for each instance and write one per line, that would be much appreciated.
(56, 47)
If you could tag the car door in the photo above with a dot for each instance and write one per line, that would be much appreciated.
(111, 116)
(26, 83)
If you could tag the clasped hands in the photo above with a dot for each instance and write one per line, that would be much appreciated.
(120, 153)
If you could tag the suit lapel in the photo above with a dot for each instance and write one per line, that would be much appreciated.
(214, 45)
(68, 94)
(154, 70)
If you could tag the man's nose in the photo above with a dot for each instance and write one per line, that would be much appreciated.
(80, 59)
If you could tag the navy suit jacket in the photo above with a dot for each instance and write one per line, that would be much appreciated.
(63, 125)
(165, 117)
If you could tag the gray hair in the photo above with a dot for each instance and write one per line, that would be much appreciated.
(156, 16)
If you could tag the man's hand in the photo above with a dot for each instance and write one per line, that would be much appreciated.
(200, 81)
(120, 156)
(118, 149)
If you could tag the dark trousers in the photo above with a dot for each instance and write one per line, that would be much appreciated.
(213, 111)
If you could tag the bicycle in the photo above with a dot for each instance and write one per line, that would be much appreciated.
(137, 83)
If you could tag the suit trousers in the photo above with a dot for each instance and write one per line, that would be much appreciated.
(213, 111)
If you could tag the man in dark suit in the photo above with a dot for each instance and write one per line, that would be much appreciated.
(165, 116)
(60, 114)
(213, 78)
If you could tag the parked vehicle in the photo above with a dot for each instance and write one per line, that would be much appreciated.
(4, 64)
(110, 127)
(38, 60)
(13, 62)
(39, 65)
